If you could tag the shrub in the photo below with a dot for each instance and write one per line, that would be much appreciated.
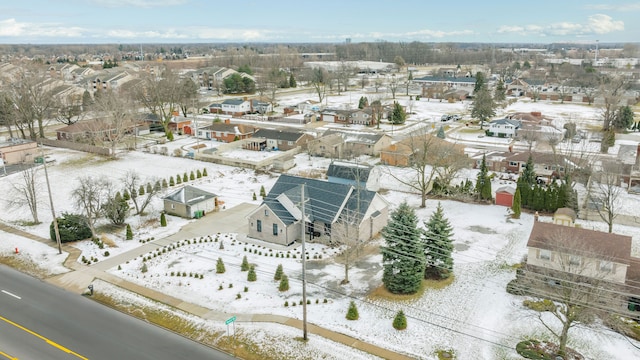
(144, 268)
(263, 193)
(284, 283)
(204, 172)
(246, 289)
(163, 220)
(400, 321)
(220, 267)
(198, 174)
(171, 181)
(278, 274)
(352, 313)
(238, 296)
(192, 176)
(286, 303)
(245, 264)
(164, 183)
(251, 276)
(71, 227)
(129, 232)
(185, 178)
(106, 253)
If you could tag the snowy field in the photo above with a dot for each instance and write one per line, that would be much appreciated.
(474, 316)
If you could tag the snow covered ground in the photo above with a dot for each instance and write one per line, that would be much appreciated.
(474, 316)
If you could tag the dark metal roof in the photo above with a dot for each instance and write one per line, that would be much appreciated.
(278, 134)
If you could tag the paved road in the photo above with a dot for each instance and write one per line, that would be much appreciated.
(40, 321)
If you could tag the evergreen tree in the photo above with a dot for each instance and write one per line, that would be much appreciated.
(192, 176)
(480, 82)
(400, 321)
(500, 93)
(440, 133)
(284, 283)
(487, 192)
(163, 220)
(484, 107)
(263, 193)
(185, 178)
(292, 81)
(129, 235)
(528, 173)
(116, 209)
(623, 119)
(245, 264)
(438, 246)
(141, 190)
(482, 176)
(164, 183)
(125, 195)
(198, 174)
(398, 115)
(403, 256)
(251, 275)
(171, 182)
(134, 193)
(178, 180)
(352, 313)
(254, 196)
(220, 267)
(170, 135)
(204, 172)
(363, 102)
(279, 272)
(149, 188)
(517, 204)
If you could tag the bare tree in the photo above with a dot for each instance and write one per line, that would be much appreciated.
(393, 85)
(89, 196)
(612, 90)
(115, 121)
(132, 183)
(68, 108)
(529, 135)
(7, 110)
(31, 94)
(604, 193)
(448, 159)
(345, 232)
(26, 192)
(422, 172)
(160, 95)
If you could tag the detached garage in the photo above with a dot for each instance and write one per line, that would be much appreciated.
(504, 196)
(190, 202)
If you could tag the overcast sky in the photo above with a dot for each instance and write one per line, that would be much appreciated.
(198, 21)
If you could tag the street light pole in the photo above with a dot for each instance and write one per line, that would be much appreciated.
(53, 211)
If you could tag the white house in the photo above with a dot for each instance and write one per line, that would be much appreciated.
(504, 127)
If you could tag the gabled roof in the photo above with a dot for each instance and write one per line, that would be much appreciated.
(348, 171)
(511, 122)
(284, 135)
(323, 200)
(506, 189)
(233, 101)
(357, 136)
(189, 195)
(236, 128)
(578, 241)
(539, 158)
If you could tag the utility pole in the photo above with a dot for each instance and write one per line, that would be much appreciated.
(304, 266)
(53, 211)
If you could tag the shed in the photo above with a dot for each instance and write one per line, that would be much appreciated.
(504, 196)
(190, 202)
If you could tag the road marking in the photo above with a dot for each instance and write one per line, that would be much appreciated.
(52, 343)
(8, 356)
(10, 294)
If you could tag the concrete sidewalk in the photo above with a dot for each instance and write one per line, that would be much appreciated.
(81, 276)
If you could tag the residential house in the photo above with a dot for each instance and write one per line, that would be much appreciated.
(503, 128)
(91, 131)
(234, 107)
(226, 131)
(358, 143)
(494, 160)
(329, 146)
(17, 151)
(350, 173)
(544, 164)
(332, 211)
(308, 106)
(178, 124)
(404, 153)
(190, 202)
(558, 253)
(270, 139)
(397, 154)
(362, 117)
(338, 116)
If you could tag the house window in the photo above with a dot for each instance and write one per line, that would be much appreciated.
(259, 225)
(275, 229)
(327, 229)
(545, 254)
(513, 163)
(290, 143)
(266, 212)
(575, 260)
(606, 266)
(173, 206)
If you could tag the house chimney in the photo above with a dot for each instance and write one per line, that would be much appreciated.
(227, 121)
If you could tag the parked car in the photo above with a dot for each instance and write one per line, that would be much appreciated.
(445, 117)
(456, 117)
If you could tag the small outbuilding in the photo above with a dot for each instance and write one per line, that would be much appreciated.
(504, 196)
(190, 202)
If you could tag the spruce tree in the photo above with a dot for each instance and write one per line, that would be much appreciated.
(279, 273)
(149, 188)
(245, 264)
(163, 220)
(185, 178)
(486, 193)
(129, 233)
(171, 182)
(254, 196)
(482, 175)
(178, 180)
(141, 190)
(438, 246)
(198, 174)
(220, 267)
(352, 313)
(284, 283)
(192, 176)
(403, 257)
(400, 321)
(125, 195)
(516, 207)
(204, 172)
(292, 81)
(528, 173)
(164, 183)
(251, 276)
(263, 193)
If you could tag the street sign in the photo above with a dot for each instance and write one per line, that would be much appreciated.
(230, 320)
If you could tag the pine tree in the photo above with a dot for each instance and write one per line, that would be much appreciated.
(438, 246)
(129, 233)
(178, 180)
(292, 81)
(192, 176)
(487, 192)
(284, 283)
(400, 321)
(171, 182)
(516, 207)
(482, 178)
(163, 220)
(403, 256)
(220, 267)
(251, 276)
(254, 196)
(125, 195)
(279, 273)
(263, 193)
(352, 313)
(204, 172)
(185, 178)
(245, 264)
(528, 173)
(164, 183)
(398, 115)
(198, 174)
(141, 190)
(149, 188)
